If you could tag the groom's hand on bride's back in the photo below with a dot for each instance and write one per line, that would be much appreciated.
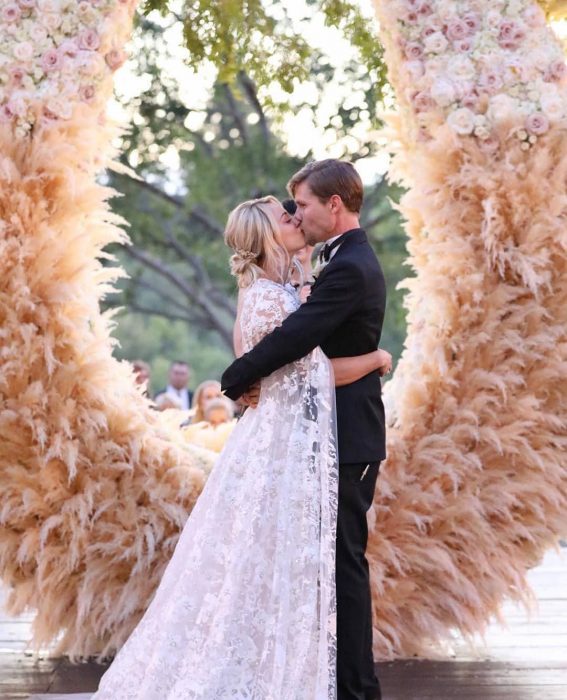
(251, 397)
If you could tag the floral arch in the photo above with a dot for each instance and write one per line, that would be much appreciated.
(94, 488)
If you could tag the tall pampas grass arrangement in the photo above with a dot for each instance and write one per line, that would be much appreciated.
(94, 486)
(474, 489)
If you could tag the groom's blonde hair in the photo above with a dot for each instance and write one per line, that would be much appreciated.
(253, 233)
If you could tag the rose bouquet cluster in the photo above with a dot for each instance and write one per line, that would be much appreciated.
(57, 53)
(476, 70)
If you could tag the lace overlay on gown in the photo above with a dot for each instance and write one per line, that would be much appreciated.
(246, 606)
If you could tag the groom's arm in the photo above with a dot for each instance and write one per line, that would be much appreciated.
(335, 298)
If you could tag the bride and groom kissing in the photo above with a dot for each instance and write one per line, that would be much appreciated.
(267, 594)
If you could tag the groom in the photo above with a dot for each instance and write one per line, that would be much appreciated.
(343, 315)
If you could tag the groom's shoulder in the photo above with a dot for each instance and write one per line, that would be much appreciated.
(359, 251)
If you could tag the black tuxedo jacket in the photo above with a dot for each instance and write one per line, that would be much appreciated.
(343, 315)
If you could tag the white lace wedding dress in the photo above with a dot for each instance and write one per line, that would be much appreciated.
(246, 606)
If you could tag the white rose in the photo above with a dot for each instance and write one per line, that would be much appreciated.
(462, 68)
(515, 7)
(540, 57)
(492, 19)
(62, 108)
(435, 43)
(51, 21)
(37, 33)
(443, 92)
(501, 107)
(553, 107)
(549, 89)
(48, 6)
(415, 69)
(461, 121)
(482, 132)
(444, 9)
(23, 51)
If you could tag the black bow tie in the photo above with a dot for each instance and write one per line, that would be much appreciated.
(326, 250)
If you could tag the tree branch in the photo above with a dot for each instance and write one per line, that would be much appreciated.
(164, 296)
(235, 112)
(196, 297)
(196, 213)
(147, 311)
(250, 90)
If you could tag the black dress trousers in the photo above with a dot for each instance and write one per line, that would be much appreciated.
(356, 678)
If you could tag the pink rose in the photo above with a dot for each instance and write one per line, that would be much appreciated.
(457, 30)
(89, 40)
(115, 58)
(510, 34)
(472, 20)
(413, 50)
(17, 75)
(11, 13)
(6, 115)
(87, 93)
(537, 123)
(424, 8)
(489, 145)
(432, 26)
(50, 60)
(491, 81)
(556, 71)
(48, 114)
(68, 48)
(422, 101)
(17, 106)
(464, 87)
(463, 45)
(470, 100)
(411, 17)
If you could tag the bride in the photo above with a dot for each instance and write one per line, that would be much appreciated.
(246, 606)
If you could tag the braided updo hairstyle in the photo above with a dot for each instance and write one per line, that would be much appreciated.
(253, 233)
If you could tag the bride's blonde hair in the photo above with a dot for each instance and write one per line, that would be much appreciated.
(253, 233)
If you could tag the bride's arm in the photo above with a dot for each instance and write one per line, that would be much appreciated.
(350, 369)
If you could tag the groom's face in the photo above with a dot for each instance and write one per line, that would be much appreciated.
(315, 218)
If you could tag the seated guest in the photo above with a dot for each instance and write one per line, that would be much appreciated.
(207, 390)
(164, 401)
(218, 411)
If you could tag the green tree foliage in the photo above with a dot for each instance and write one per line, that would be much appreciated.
(261, 38)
